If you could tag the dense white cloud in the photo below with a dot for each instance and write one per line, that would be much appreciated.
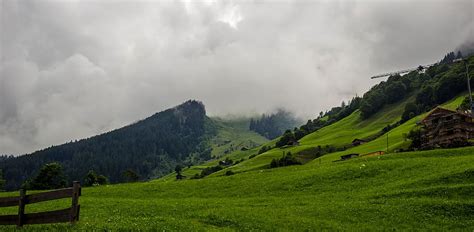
(71, 69)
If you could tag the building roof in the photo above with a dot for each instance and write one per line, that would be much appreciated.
(442, 109)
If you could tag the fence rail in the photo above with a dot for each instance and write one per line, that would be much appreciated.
(70, 214)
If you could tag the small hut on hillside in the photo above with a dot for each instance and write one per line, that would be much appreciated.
(349, 156)
(357, 142)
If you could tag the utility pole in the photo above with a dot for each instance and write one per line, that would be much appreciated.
(466, 63)
(469, 87)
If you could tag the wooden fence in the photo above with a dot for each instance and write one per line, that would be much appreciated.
(70, 214)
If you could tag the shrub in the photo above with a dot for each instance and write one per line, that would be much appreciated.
(287, 138)
(264, 149)
(50, 177)
(229, 173)
(130, 175)
(207, 171)
(226, 162)
(286, 160)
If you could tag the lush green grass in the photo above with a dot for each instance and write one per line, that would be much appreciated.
(430, 190)
(352, 127)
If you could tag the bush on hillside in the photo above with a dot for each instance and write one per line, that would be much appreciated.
(264, 149)
(207, 171)
(130, 175)
(92, 179)
(50, 176)
(466, 104)
(286, 139)
(286, 160)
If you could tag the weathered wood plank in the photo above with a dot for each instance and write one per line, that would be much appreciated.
(47, 196)
(9, 201)
(55, 216)
(64, 215)
(21, 208)
(76, 187)
(8, 219)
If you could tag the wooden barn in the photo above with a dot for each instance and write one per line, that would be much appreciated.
(447, 128)
(349, 156)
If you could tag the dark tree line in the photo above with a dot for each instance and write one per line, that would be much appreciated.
(149, 148)
(387, 92)
(448, 58)
(273, 125)
(442, 83)
(435, 86)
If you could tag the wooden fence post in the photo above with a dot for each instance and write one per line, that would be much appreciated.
(76, 188)
(21, 208)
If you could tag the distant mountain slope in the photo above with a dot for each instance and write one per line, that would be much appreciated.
(337, 134)
(234, 135)
(150, 147)
(273, 125)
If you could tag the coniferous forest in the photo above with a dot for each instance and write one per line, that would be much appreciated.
(149, 148)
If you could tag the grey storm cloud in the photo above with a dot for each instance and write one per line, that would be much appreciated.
(72, 69)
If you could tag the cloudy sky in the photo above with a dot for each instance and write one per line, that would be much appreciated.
(72, 69)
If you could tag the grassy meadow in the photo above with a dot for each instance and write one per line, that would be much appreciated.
(429, 190)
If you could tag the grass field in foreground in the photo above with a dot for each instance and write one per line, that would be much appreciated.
(429, 190)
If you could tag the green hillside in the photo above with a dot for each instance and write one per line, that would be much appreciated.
(232, 135)
(351, 127)
(338, 134)
(343, 132)
(430, 190)
(396, 137)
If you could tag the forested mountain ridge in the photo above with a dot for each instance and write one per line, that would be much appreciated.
(149, 148)
(273, 125)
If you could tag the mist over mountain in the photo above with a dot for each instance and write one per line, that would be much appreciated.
(150, 148)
